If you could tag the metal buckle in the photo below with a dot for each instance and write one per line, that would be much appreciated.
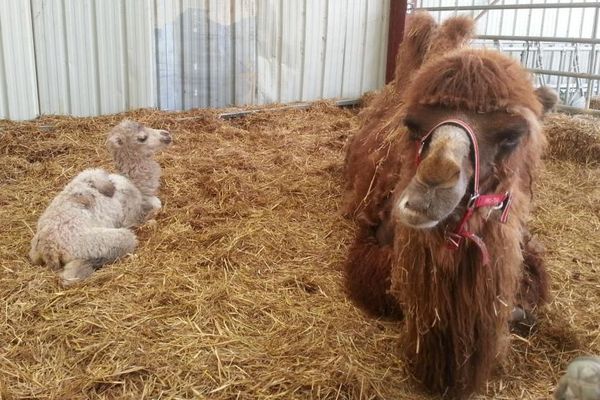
(472, 200)
(504, 203)
(500, 206)
(505, 207)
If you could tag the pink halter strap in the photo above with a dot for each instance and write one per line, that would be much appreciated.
(499, 201)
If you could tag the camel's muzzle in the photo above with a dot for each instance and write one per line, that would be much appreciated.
(499, 201)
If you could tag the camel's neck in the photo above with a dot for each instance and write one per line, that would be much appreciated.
(143, 171)
(456, 309)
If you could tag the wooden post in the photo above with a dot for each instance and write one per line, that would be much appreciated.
(395, 34)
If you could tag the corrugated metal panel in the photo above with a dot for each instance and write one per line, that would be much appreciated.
(220, 53)
(292, 50)
(314, 49)
(334, 48)
(140, 56)
(82, 57)
(354, 50)
(195, 48)
(268, 50)
(245, 78)
(51, 56)
(375, 45)
(169, 44)
(103, 56)
(94, 57)
(18, 91)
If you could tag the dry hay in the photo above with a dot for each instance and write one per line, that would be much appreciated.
(595, 103)
(575, 138)
(235, 292)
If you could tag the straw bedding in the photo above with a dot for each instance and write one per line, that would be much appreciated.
(235, 291)
(575, 138)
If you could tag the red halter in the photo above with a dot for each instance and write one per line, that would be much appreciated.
(498, 201)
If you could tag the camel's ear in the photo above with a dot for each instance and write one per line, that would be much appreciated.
(114, 141)
(548, 98)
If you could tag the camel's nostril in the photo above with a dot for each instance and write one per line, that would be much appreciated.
(416, 206)
(165, 133)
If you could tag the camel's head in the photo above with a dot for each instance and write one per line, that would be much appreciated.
(491, 94)
(133, 137)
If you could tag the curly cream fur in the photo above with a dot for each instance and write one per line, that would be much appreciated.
(87, 224)
(134, 159)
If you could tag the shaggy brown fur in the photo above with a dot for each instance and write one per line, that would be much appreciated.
(386, 113)
(383, 117)
(369, 286)
(456, 309)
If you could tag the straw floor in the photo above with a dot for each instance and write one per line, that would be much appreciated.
(235, 292)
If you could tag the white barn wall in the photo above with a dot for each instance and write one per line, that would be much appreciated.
(18, 90)
(93, 57)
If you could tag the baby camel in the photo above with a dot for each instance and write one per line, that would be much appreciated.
(88, 224)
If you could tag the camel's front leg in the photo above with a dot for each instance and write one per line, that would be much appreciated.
(534, 290)
(151, 207)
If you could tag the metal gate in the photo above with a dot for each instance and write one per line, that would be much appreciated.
(556, 41)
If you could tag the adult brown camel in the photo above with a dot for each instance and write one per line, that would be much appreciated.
(439, 178)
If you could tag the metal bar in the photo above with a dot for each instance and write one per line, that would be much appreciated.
(395, 34)
(592, 60)
(561, 73)
(575, 110)
(514, 28)
(596, 87)
(510, 6)
(561, 63)
(539, 39)
(482, 13)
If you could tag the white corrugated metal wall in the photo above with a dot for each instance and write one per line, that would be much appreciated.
(92, 57)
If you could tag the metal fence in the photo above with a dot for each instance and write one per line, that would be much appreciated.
(557, 41)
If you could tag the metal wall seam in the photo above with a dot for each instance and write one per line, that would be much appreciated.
(20, 93)
(372, 48)
(354, 47)
(267, 52)
(168, 39)
(51, 76)
(314, 49)
(292, 46)
(245, 51)
(335, 48)
(220, 49)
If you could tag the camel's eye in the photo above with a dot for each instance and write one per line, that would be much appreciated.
(509, 139)
(142, 139)
(415, 133)
(510, 143)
